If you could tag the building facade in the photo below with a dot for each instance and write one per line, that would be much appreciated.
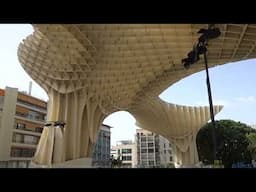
(126, 152)
(101, 153)
(22, 118)
(152, 150)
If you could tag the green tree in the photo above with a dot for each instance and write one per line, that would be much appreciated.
(116, 163)
(252, 144)
(231, 142)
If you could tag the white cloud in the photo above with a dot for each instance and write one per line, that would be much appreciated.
(215, 102)
(249, 99)
(202, 103)
(221, 102)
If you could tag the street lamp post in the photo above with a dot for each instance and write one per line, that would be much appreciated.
(211, 105)
(193, 56)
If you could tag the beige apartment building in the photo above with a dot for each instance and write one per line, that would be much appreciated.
(22, 118)
(125, 151)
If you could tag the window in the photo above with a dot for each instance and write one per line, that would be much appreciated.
(150, 139)
(125, 151)
(150, 144)
(143, 150)
(29, 139)
(22, 164)
(30, 104)
(27, 153)
(126, 165)
(17, 138)
(17, 152)
(151, 162)
(30, 116)
(144, 156)
(170, 158)
(35, 116)
(151, 155)
(144, 162)
(3, 164)
(151, 150)
(12, 164)
(126, 158)
(21, 126)
(21, 114)
(143, 144)
(39, 129)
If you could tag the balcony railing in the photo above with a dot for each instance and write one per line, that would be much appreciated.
(26, 117)
(23, 145)
(32, 108)
(26, 104)
(22, 141)
(27, 131)
(20, 158)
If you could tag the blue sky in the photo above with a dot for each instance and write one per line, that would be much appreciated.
(12, 74)
(233, 85)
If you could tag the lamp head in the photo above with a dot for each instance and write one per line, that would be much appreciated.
(201, 48)
(208, 34)
(186, 63)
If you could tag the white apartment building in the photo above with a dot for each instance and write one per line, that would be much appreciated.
(152, 150)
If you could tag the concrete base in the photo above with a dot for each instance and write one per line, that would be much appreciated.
(34, 165)
(187, 166)
(77, 163)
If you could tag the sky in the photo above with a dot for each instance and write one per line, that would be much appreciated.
(233, 85)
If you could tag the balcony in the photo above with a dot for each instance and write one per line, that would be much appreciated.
(32, 107)
(20, 158)
(22, 153)
(26, 132)
(27, 118)
(24, 145)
